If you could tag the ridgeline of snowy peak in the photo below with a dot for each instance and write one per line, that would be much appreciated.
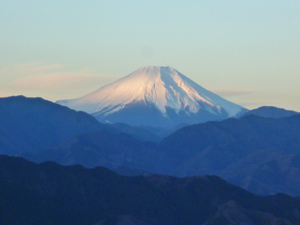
(154, 96)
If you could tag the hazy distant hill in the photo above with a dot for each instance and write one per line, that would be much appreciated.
(253, 152)
(101, 148)
(140, 133)
(259, 154)
(271, 112)
(28, 124)
(53, 194)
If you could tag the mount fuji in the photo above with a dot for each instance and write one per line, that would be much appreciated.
(154, 96)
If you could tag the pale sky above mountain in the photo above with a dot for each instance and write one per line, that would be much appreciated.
(246, 51)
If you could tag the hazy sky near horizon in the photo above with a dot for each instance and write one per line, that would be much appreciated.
(246, 51)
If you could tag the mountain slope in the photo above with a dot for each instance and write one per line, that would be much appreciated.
(271, 112)
(259, 154)
(154, 96)
(101, 148)
(31, 124)
(139, 133)
(252, 152)
(28, 124)
(53, 194)
(256, 153)
(266, 172)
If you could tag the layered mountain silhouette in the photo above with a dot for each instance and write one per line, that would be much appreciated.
(52, 194)
(154, 96)
(259, 154)
(256, 153)
(29, 124)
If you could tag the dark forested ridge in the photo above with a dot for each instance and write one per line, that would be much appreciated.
(52, 194)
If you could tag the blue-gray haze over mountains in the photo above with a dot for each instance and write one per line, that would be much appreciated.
(256, 153)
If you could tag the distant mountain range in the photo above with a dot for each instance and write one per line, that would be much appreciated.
(157, 97)
(270, 112)
(52, 194)
(138, 127)
(257, 153)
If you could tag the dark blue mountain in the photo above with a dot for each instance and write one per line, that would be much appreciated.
(52, 194)
(252, 152)
(28, 124)
(256, 153)
(271, 112)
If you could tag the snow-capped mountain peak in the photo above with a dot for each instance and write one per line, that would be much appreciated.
(159, 88)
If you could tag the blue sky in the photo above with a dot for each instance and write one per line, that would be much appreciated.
(246, 51)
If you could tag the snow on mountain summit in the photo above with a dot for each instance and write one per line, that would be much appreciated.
(164, 90)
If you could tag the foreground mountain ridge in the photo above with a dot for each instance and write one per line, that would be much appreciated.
(52, 194)
(154, 96)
